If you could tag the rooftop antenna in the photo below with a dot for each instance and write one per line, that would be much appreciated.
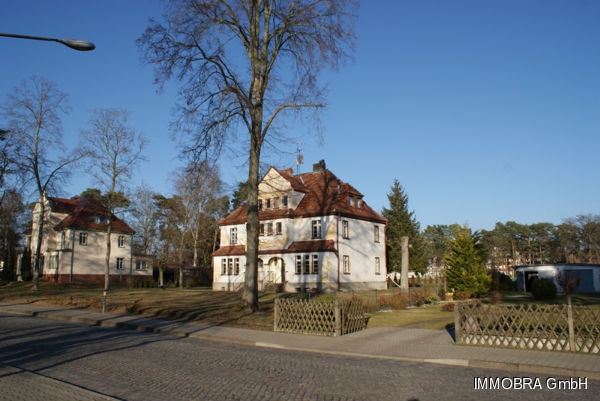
(299, 159)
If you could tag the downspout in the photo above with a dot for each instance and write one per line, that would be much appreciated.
(131, 255)
(72, 256)
(337, 250)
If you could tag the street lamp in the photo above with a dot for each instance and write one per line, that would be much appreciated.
(76, 44)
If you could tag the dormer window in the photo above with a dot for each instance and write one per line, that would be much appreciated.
(351, 200)
(268, 203)
(285, 201)
(100, 219)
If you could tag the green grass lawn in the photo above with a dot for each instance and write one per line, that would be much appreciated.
(223, 308)
(425, 317)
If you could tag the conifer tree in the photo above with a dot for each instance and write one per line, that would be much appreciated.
(402, 223)
(466, 264)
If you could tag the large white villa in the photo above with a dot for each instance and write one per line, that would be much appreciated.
(316, 234)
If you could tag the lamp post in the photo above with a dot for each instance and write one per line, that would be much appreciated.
(76, 44)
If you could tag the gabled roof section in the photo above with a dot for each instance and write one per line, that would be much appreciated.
(82, 214)
(324, 195)
(295, 247)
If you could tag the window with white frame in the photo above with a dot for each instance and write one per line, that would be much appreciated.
(345, 229)
(233, 235)
(230, 266)
(377, 265)
(307, 264)
(376, 233)
(121, 241)
(316, 229)
(315, 264)
(53, 262)
(83, 238)
(140, 264)
(346, 264)
(119, 264)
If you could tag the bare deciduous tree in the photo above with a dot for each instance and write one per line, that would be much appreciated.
(33, 113)
(144, 218)
(115, 149)
(242, 63)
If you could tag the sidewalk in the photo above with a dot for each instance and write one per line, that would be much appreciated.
(404, 344)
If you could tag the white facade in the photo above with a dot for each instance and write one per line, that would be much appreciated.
(340, 248)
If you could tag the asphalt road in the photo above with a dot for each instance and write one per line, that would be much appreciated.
(48, 360)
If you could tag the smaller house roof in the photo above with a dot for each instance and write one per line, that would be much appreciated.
(81, 215)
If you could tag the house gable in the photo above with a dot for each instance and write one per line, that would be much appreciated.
(319, 193)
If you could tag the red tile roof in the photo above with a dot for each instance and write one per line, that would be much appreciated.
(232, 250)
(80, 215)
(324, 195)
(295, 247)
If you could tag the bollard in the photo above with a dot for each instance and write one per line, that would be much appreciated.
(103, 301)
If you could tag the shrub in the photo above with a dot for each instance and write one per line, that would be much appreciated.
(431, 299)
(543, 288)
(462, 295)
(448, 307)
(502, 282)
(417, 298)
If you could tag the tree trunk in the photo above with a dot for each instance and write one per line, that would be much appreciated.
(107, 256)
(250, 294)
(38, 246)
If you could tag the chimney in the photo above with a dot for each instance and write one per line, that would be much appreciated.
(319, 167)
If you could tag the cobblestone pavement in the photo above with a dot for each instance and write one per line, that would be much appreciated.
(48, 360)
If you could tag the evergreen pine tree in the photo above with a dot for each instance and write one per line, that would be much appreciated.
(466, 264)
(402, 223)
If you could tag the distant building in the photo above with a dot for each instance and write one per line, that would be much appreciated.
(316, 234)
(587, 275)
(74, 243)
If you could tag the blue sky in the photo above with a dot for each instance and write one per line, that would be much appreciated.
(485, 111)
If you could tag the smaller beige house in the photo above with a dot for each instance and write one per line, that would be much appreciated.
(74, 243)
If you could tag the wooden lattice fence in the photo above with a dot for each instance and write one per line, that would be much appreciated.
(531, 326)
(328, 318)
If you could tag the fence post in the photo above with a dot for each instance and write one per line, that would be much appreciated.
(457, 328)
(276, 314)
(570, 324)
(338, 318)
